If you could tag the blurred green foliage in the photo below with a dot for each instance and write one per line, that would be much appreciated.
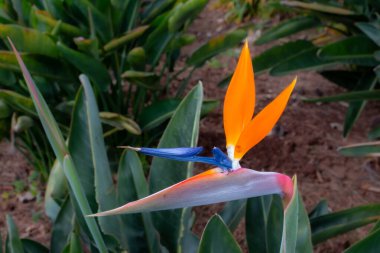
(128, 49)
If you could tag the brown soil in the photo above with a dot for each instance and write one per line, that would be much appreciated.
(305, 143)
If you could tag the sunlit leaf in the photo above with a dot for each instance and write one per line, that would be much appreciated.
(120, 122)
(29, 40)
(315, 6)
(287, 28)
(39, 65)
(184, 12)
(215, 46)
(361, 149)
(126, 38)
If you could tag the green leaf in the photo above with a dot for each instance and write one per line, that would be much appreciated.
(5, 111)
(305, 60)
(315, 6)
(349, 97)
(63, 225)
(185, 11)
(45, 18)
(18, 102)
(182, 131)
(374, 133)
(160, 111)
(296, 235)
(158, 40)
(124, 39)
(233, 212)
(356, 49)
(31, 246)
(88, 65)
(147, 80)
(39, 65)
(120, 122)
(58, 144)
(343, 78)
(368, 82)
(137, 58)
(287, 28)
(29, 40)
(370, 244)
(131, 176)
(264, 220)
(216, 45)
(89, 154)
(98, 20)
(56, 191)
(278, 54)
(361, 149)
(7, 78)
(14, 244)
(372, 30)
(320, 209)
(74, 245)
(217, 238)
(330, 225)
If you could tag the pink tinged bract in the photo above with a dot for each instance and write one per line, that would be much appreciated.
(212, 186)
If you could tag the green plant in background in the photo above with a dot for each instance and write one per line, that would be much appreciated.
(88, 187)
(128, 49)
(344, 48)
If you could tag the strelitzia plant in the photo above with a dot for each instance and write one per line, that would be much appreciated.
(228, 180)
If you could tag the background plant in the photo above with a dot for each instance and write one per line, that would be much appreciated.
(128, 49)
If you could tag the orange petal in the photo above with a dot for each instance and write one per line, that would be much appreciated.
(239, 102)
(263, 123)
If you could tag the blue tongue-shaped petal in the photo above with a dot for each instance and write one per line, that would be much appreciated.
(187, 155)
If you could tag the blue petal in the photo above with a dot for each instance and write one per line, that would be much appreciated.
(219, 159)
(171, 152)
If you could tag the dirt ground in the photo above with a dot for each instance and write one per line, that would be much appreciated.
(304, 143)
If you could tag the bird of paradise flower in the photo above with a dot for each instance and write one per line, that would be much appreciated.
(228, 180)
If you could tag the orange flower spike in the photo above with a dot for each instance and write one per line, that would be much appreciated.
(263, 123)
(239, 102)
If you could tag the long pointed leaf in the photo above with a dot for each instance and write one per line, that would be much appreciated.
(330, 225)
(369, 244)
(131, 175)
(182, 131)
(296, 236)
(368, 82)
(287, 28)
(58, 144)
(14, 243)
